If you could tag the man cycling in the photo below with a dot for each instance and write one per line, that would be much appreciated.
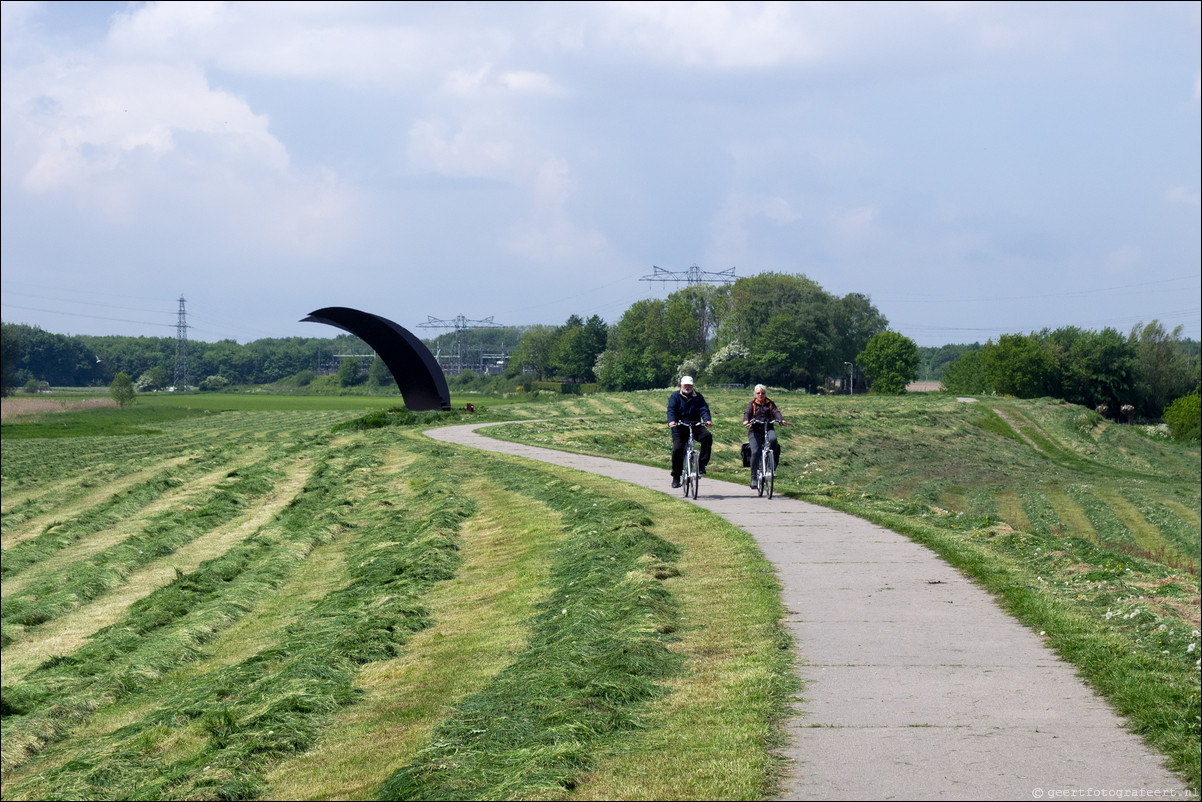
(761, 409)
(688, 405)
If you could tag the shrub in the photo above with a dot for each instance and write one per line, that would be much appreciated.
(1184, 417)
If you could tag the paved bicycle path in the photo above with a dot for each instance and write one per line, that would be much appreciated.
(917, 685)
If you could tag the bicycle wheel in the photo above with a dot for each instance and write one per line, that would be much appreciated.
(686, 477)
(694, 472)
(770, 468)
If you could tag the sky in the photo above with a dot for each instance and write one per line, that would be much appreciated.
(975, 169)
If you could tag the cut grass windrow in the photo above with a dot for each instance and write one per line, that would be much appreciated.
(64, 590)
(273, 703)
(168, 627)
(67, 633)
(27, 518)
(599, 651)
(102, 539)
(480, 624)
(599, 645)
(62, 534)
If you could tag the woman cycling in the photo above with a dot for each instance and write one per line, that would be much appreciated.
(761, 409)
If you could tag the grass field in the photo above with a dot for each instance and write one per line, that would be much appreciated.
(245, 596)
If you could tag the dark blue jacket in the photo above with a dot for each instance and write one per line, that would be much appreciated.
(692, 409)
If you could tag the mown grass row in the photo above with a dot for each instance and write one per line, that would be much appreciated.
(168, 627)
(20, 507)
(599, 645)
(268, 704)
(80, 581)
(120, 506)
(127, 715)
(33, 462)
(576, 707)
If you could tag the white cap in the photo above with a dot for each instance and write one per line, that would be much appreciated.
(685, 380)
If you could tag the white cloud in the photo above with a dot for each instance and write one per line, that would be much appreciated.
(152, 143)
(709, 34)
(854, 223)
(530, 83)
(778, 210)
(727, 35)
(476, 148)
(550, 235)
(80, 122)
(484, 83)
(369, 45)
(311, 217)
(1183, 196)
(729, 236)
(1123, 259)
(858, 141)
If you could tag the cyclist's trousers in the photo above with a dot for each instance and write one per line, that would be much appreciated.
(754, 436)
(680, 440)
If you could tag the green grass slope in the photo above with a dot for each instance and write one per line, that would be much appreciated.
(255, 601)
(491, 628)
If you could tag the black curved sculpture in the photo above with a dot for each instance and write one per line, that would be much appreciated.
(412, 365)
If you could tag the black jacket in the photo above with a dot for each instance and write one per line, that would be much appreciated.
(692, 409)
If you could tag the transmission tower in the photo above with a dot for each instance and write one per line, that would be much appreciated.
(182, 375)
(693, 276)
(453, 365)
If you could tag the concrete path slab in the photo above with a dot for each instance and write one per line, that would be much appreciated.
(916, 684)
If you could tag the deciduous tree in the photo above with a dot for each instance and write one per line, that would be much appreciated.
(890, 362)
(122, 390)
(1018, 365)
(966, 375)
(1162, 370)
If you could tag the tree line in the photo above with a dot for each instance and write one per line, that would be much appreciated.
(783, 330)
(31, 354)
(1136, 375)
(772, 328)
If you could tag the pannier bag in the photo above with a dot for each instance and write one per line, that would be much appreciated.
(747, 455)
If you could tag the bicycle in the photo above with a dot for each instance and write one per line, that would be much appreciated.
(767, 461)
(690, 475)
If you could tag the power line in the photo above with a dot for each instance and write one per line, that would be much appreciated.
(1070, 294)
(693, 276)
(80, 314)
